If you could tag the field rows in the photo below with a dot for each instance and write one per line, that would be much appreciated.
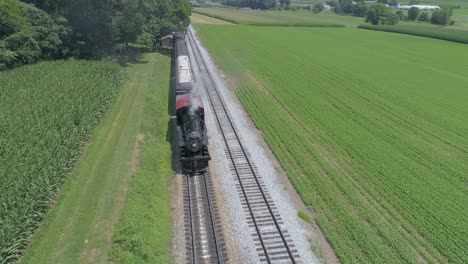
(379, 153)
(286, 18)
(47, 112)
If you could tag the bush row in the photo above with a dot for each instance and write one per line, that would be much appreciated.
(455, 35)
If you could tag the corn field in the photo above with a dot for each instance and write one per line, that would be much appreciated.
(47, 112)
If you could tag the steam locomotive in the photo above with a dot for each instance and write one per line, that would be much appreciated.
(190, 114)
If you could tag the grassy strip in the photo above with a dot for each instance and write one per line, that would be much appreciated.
(80, 226)
(271, 23)
(455, 35)
(143, 233)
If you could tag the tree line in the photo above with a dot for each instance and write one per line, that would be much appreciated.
(254, 4)
(33, 30)
(381, 13)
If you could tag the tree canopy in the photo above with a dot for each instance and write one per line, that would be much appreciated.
(380, 14)
(254, 4)
(32, 30)
(413, 13)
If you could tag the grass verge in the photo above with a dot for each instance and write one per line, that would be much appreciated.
(79, 228)
(304, 216)
(455, 35)
(143, 233)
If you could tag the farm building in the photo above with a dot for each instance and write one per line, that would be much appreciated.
(420, 7)
(166, 41)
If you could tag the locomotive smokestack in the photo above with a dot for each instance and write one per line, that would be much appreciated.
(194, 101)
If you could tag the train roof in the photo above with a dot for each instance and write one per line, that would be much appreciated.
(188, 100)
(179, 35)
(181, 47)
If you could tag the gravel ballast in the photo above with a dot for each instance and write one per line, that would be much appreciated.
(239, 241)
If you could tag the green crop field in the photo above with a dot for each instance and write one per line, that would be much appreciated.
(371, 127)
(301, 17)
(47, 112)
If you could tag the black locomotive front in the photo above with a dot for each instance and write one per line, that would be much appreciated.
(191, 130)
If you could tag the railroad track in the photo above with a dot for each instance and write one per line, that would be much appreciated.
(272, 241)
(205, 243)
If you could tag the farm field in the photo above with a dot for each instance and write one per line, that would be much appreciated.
(47, 112)
(307, 18)
(202, 19)
(300, 18)
(460, 16)
(372, 134)
(104, 189)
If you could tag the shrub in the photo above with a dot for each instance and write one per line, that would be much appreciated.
(442, 16)
(413, 13)
(317, 8)
(424, 17)
(379, 14)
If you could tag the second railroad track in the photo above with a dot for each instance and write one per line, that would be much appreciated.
(272, 241)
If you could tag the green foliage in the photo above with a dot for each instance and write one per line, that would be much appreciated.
(442, 16)
(380, 14)
(424, 17)
(284, 3)
(36, 36)
(377, 150)
(304, 216)
(400, 15)
(455, 35)
(346, 7)
(413, 13)
(254, 4)
(393, 3)
(83, 28)
(52, 35)
(51, 6)
(44, 127)
(359, 9)
(317, 8)
(12, 17)
(128, 21)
